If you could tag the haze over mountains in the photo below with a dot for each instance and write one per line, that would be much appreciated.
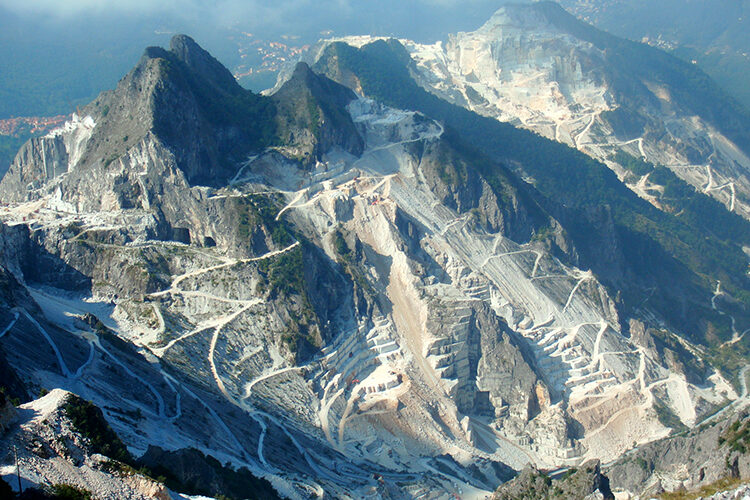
(713, 34)
(411, 270)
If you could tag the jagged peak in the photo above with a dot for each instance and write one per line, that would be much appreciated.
(203, 63)
(303, 75)
(187, 51)
(316, 103)
(302, 70)
(304, 79)
(185, 45)
(155, 52)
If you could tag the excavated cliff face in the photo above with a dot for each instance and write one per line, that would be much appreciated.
(384, 309)
(44, 158)
(537, 67)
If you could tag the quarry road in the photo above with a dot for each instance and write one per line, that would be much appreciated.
(712, 187)
(736, 337)
(191, 293)
(212, 348)
(325, 407)
(159, 351)
(584, 277)
(300, 194)
(307, 453)
(174, 288)
(12, 323)
(638, 140)
(464, 219)
(261, 440)
(60, 360)
(237, 179)
(741, 401)
(274, 253)
(157, 394)
(171, 382)
(516, 252)
(643, 189)
(238, 447)
(252, 412)
(159, 319)
(251, 384)
(85, 365)
(596, 355)
(347, 412)
(179, 279)
(577, 140)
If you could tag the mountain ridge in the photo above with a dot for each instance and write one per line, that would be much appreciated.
(400, 311)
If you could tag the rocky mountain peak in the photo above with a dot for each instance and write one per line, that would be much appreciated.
(304, 80)
(185, 49)
(312, 115)
(302, 70)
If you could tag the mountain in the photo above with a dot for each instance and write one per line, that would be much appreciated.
(557, 172)
(538, 67)
(336, 292)
(713, 35)
(589, 199)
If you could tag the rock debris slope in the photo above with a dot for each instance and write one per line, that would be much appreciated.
(322, 289)
(52, 451)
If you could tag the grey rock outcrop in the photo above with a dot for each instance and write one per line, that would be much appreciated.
(687, 461)
(578, 483)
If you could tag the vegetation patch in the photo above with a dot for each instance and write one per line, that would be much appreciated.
(70, 492)
(284, 275)
(731, 358)
(727, 483)
(89, 422)
(262, 209)
(232, 106)
(667, 417)
(737, 436)
(9, 146)
(346, 257)
(192, 472)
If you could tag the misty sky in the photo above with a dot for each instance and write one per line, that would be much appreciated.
(58, 54)
(421, 19)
